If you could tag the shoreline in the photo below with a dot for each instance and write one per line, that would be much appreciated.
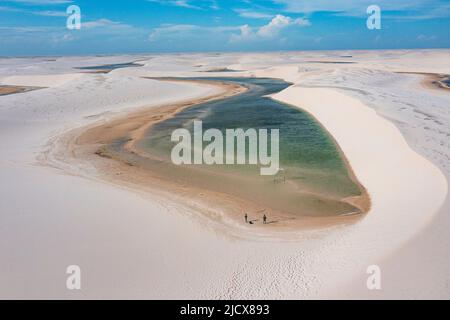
(228, 208)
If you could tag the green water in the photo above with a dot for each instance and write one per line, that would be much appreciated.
(314, 177)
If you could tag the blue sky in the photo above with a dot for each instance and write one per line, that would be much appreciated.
(38, 27)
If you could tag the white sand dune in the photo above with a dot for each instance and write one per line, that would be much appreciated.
(49, 81)
(393, 174)
(130, 244)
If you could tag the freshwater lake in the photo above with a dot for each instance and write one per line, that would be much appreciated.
(314, 178)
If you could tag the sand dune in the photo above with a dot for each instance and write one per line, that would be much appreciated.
(40, 80)
(131, 244)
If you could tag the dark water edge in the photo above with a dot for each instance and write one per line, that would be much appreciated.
(314, 179)
(110, 67)
(220, 70)
(447, 81)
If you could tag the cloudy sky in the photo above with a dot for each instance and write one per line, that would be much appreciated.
(38, 27)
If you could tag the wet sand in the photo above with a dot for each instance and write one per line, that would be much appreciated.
(107, 68)
(6, 90)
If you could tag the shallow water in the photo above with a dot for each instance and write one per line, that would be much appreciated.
(314, 178)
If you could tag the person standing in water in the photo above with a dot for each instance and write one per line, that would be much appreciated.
(264, 219)
(246, 218)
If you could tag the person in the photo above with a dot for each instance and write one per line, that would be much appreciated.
(265, 219)
(246, 218)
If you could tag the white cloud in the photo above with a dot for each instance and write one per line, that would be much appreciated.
(59, 38)
(278, 23)
(113, 28)
(177, 3)
(184, 4)
(47, 13)
(168, 31)
(246, 33)
(270, 30)
(42, 2)
(214, 5)
(99, 23)
(104, 26)
(422, 37)
(245, 13)
(8, 9)
(190, 4)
